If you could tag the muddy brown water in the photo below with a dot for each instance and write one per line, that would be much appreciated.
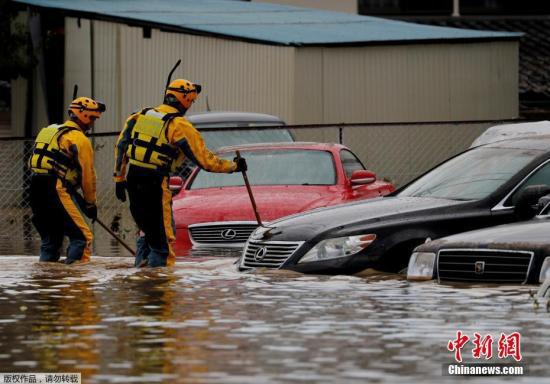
(203, 322)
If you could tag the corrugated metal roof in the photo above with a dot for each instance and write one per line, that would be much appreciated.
(269, 23)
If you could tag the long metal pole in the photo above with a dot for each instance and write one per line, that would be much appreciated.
(122, 242)
(82, 203)
(247, 183)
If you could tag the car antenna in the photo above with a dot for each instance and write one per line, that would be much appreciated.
(75, 91)
(170, 76)
(208, 105)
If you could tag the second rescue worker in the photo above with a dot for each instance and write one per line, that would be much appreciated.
(155, 142)
(61, 162)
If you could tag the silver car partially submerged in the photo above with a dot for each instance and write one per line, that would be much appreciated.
(512, 131)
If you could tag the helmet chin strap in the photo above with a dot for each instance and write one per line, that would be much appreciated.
(181, 109)
(173, 102)
(85, 127)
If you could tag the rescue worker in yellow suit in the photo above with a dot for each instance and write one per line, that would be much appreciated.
(155, 142)
(62, 161)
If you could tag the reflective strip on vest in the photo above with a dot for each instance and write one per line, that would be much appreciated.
(48, 158)
(149, 147)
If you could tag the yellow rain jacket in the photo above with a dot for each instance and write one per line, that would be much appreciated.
(160, 139)
(64, 150)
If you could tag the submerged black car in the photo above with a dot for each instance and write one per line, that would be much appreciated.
(511, 253)
(476, 189)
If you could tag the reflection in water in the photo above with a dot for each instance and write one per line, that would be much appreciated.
(204, 322)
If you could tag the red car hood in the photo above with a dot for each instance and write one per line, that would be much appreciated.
(233, 203)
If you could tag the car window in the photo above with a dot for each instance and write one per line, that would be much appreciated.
(236, 124)
(226, 137)
(540, 176)
(350, 163)
(472, 175)
(275, 167)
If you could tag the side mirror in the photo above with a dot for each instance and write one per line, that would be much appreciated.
(362, 177)
(527, 203)
(543, 205)
(175, 184)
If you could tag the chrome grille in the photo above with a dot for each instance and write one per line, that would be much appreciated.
(213, 233)
(275, 254)
(483, 265)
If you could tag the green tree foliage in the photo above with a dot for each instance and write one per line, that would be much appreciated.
(16, 57)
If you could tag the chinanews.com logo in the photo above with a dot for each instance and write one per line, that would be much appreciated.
(485, 359)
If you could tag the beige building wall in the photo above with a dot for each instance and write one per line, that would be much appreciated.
(435, 82)
(130, 71)
(349, 6)
(305, 85)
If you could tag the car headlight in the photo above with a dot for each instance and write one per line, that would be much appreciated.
(421, 266)
(545, 270)
(338, 247)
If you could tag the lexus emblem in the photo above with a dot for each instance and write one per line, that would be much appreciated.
(479, 267)
(260, 253)
(229, 234)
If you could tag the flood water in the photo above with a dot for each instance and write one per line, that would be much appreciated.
(204, 322)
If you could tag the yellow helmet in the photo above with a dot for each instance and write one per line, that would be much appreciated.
(86, 109)
(184, 91)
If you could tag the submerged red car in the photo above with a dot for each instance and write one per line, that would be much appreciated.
(214, 210)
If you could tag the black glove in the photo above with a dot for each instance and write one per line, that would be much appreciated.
(120, 190)
(91, 211)
(241, 164)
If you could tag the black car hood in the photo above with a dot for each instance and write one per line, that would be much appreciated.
(528, 235)
(310, 224)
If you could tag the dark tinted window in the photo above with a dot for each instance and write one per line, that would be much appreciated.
(350, 163)
(541, 176)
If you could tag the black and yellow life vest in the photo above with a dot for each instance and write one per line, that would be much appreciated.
(149, 146)
(48, 158)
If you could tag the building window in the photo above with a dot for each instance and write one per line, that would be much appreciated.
(5, 104)
(146, 32)
(445, 7)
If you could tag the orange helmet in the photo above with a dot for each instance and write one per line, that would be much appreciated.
(184, 91)
(86, 109)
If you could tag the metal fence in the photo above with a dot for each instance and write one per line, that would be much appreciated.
(396, 152)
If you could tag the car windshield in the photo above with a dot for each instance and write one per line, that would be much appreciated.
(216, 139)
(473, 175)
(275, 167)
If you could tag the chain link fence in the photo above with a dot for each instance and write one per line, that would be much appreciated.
(396, 152)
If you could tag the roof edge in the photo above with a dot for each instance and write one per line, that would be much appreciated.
(512, 36)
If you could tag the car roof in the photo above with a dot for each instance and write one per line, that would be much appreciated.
(541, 143)
(283, 145)
(511, 131)
(218, 117)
